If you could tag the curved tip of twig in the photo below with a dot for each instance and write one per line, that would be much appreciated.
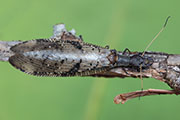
(119, 99)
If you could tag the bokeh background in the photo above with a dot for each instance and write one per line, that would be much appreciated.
(119, 23)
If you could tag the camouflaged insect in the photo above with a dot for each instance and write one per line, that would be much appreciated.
(46, 57)
(62, 57)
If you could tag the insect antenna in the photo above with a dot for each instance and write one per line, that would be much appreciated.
(156, 35)
(149, 46)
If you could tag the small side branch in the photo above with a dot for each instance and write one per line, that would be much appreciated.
(122, 98)
(5, 51)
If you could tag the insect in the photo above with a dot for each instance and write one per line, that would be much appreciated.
(71, 57)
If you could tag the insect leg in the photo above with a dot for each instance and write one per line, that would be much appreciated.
(81, 38)
(126, 51)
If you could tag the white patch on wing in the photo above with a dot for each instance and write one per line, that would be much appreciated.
(57, 55)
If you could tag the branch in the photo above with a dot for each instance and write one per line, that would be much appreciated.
(166, 67)
(122, 98)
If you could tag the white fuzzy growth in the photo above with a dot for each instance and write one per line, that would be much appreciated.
(73, 32)
(59, 29)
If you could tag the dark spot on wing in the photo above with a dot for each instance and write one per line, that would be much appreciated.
(55, 73)
(97, 63)
(73, 70)
(35, 73)
(35, 55)
(76, 44)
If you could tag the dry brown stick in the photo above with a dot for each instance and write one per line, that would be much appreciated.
(5, 51)
(122, 98)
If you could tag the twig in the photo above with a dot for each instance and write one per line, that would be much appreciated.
(122, 98)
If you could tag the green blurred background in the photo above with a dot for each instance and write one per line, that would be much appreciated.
(118, 23)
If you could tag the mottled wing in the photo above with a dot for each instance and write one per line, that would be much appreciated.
(43, 67)
(61, 67)
(34, 45)
(52, 68)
